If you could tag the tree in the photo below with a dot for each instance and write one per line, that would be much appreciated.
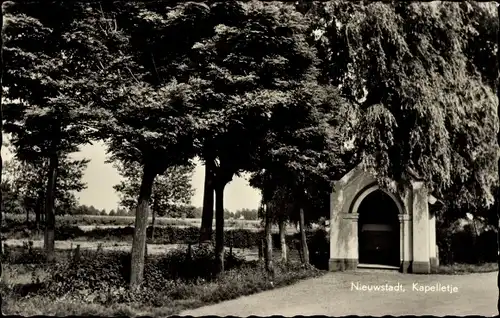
(69, 181)
(50, 53)
(228, 214)
(148, 115)
(153, 147)
(247, 214)
(1, 129)
(28, 178)
(497, 198)
(424, 106)
(422, 75)
(303, 153)
(282, 208)
(207, 214)
(257, 54)
(170, 189)
(12, 201)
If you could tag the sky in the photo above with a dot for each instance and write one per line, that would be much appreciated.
(100, 178)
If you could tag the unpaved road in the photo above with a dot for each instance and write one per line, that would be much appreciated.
(331, 295)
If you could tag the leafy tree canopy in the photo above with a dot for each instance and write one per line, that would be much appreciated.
(249, 65)
(51, 52)
(171, 188)
(28, 180)
(424, 91)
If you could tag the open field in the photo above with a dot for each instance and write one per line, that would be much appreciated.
(289, 229)
(129, 220)
(89, 223)
(153, 249)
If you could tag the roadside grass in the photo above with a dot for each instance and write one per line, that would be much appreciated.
(22, 274)
(462, 269)
(153, 301)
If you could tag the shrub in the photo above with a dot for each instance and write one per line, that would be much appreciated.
(68, 232)
(319, 248)
(174, 235)
(25, 254)
(108, 273)
(487, 246)
(463, 245)
(198, 263)
(242, 238)
(158, 290)
(93, 271)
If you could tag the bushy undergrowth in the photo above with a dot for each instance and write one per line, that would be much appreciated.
(102, 278)
(26, 254)
(107, 271)
(464, 245)
(158, 296)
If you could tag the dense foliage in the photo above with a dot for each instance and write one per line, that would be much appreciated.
(171, 188)
(51, 54)
(27, 180)
(424, 92)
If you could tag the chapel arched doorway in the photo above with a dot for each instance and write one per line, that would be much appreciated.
(378, 230)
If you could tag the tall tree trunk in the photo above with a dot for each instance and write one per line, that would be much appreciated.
(208, 203)
(38, 211)
(27, 216)
(50, 221)
(498, 164)
(1, 127)
(303, 238)
(155, 209)
(284, 247)
(269, 244)
(141, 224)
(219, 227)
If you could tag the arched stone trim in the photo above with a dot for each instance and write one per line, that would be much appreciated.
(361, 195)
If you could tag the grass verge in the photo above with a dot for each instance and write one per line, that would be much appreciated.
(95, 282)
(461, 269)
(177, 297)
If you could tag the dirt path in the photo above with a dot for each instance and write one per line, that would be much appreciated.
(476, 294)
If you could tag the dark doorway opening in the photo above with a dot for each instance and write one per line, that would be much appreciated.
(378, 230)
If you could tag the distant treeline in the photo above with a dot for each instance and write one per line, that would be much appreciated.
(181, 211)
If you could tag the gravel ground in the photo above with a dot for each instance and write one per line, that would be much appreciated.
(331, 295)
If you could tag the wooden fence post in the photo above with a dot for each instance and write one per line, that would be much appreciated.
(231, 244)
(261, 251)
(76, 257)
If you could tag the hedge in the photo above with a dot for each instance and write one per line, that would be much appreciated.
(11, 219)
